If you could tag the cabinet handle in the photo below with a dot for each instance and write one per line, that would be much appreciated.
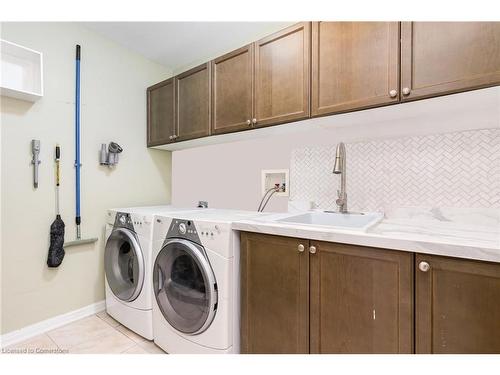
(406, 91)
(301, 248)
(254, 121)
(249, 122)
(424, 266)
(393, 93)
(312, 249)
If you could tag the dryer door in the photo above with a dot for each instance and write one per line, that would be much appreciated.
(184, 286)
(124, 264)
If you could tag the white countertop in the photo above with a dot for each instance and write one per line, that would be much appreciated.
(471, 234)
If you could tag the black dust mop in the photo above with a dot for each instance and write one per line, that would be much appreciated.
(56, 249)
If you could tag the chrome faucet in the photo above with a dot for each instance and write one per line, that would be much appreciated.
(339, 168)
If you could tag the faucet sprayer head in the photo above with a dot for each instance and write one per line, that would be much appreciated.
(339, 159)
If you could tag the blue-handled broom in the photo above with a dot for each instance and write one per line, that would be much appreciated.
(78, 218)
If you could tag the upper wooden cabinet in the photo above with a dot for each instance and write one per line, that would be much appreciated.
(457, 305)
(265, 83)
(324, 68)
(161, 119)
(232, 91)
(355, 65)
(282, 76)
(192, 99)
(361, 299)
(274, 294)
(446, 57)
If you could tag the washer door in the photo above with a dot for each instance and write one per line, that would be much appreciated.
(185, 287)
(124, 264)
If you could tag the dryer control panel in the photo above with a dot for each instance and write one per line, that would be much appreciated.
(215, 236)
(186, 229)
(210, 231)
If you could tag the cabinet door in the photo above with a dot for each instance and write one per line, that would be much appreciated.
(457, 305)
(282, 76)
(232, 91)
(361, 300)
(161, 118)
(445, 57)
(274, 294)
(192, 90)
(354, 65)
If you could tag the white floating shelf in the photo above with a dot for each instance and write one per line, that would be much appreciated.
(21, 72)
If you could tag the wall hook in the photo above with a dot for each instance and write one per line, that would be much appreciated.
(35, 150)
(109, 157)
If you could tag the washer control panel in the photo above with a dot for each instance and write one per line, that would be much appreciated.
(132, 222)
(123, 220)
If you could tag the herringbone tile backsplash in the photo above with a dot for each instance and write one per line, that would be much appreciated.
(444, 170)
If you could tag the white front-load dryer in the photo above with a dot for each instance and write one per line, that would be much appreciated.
(127, 266)
(196, 282)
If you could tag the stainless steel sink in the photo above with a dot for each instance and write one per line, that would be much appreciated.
(350, 221)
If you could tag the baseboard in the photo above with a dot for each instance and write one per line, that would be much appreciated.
(50, 324)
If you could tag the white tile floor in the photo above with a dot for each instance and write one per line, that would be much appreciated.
(96, 334)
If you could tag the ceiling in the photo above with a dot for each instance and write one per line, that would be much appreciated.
(177, 45)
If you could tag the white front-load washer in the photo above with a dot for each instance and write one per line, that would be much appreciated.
(196, 282)
(127, 266)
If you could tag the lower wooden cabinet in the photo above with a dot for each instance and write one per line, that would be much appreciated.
(302, 296)
(274, 294)
(457, 305)
(361, 299)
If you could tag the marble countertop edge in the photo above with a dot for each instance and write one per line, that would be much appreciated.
(388, 236)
